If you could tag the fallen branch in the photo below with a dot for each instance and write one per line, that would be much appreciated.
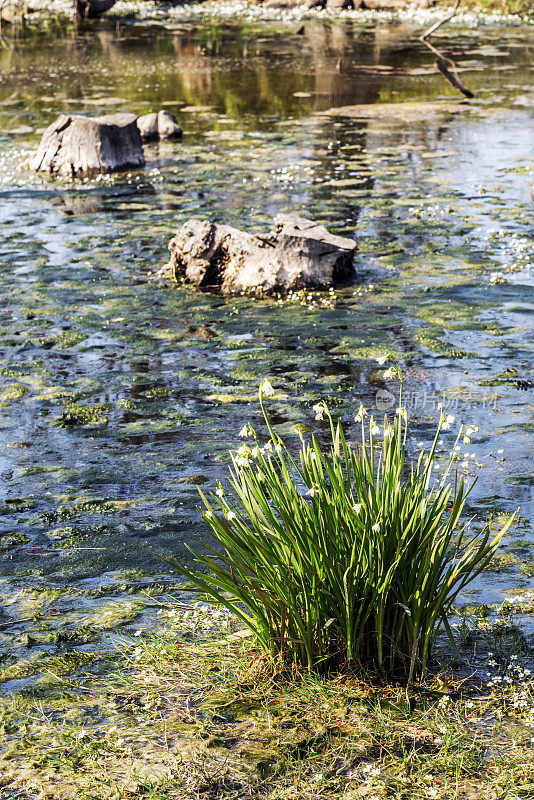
(442, 67)
(441, 22)
(440, 64)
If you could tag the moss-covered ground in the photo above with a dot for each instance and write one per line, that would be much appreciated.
(195, 711)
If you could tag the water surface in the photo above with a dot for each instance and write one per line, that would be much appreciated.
(163, 377)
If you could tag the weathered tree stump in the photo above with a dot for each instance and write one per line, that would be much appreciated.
(296, 253)
(79, 146)
(158, 126)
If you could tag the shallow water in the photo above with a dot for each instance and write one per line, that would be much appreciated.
(442, 212)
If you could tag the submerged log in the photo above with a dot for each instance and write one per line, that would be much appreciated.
(296, 253)
(78, 146)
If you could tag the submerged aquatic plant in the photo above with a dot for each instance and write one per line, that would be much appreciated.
(349, 556)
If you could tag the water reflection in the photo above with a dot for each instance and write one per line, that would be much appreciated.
(233, 70)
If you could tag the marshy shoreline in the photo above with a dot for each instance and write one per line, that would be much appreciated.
(472, 13)
(194, 710)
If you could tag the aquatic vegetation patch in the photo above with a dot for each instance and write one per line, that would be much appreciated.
(76, 414)
(527, 568)
(70, 338)
(157, 392)
(502, 562)
(195, 480)
(13, 540)
(11, 393)
(83, 507)
(63, 664)
(431, 340)
(127, 404)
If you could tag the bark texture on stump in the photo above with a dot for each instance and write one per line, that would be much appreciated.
(79, 146)
(296, 253)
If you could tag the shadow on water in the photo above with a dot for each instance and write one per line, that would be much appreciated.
(120, 394)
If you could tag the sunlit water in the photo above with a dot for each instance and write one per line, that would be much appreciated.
(440, 207)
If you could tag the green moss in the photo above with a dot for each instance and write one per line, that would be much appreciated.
(11, 373)
(157, 392)
(70, 338)
(58, 665)
(127, 404)
(38, 470)
(75, 414)
(433, 341)
(528, 568)
(12, 393)
(12, 504)
(195, 480)
(502, 562)
(13, 540)
(65, 512)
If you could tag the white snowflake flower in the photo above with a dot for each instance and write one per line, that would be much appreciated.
(266, 389)
(319, 410)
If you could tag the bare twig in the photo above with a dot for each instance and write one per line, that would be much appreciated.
(441, 22)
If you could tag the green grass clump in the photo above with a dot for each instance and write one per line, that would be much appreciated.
(348, 556)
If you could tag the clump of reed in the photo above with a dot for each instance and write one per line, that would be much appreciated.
(345, 556)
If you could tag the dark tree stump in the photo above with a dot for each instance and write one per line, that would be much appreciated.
(79, 146)
(93, 8)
